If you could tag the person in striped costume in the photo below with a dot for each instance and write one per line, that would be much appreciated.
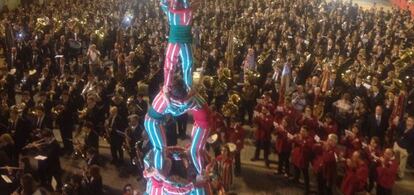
(178, 103)
(179, 15)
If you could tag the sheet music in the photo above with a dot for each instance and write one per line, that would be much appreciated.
(6, 179)
(40, 157)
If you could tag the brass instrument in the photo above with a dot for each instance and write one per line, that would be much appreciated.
(224, 74)
(58, 24)
(252, 76)
(220, 88)
(235, 99)
(229, 109)
(232, 106)
(263, 57)
(38, 143)
(41, 23)
(100, 33)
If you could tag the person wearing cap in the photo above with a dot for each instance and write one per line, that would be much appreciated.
(179, 15)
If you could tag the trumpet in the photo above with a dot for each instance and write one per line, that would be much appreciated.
(41, 142)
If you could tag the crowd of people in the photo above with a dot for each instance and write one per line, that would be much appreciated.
(326, 85)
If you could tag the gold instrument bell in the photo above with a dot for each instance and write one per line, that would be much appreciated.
(229, 109)
(224, 74)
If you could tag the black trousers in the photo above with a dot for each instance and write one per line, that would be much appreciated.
(324, 188)
(249, 108)
(372, 177)
(66, 134)
(265, 145)
(383, 191)
(237, 163)
(284, 162)
(117, 153)
(305, 172)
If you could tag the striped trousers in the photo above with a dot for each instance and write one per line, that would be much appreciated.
(156, 134)
(199, 138)
(176, 51)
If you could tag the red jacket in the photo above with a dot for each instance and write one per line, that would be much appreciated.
(302, 151)
(325, 162)
(386, 174)
(283, 143)
(236, 136)
(293, 117)
(264, 127)
(370, 152)
(355, 179)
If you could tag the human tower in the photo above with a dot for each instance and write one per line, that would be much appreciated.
(176, 98)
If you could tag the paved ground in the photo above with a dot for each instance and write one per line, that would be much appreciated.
(255, 178)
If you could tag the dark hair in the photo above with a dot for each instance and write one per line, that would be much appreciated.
(178, 90)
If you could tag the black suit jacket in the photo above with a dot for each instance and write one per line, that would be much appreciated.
(21, 132)
(117, 128)
(376, 129)
(375, 101)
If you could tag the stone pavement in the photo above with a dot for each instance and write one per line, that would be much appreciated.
(255, 178)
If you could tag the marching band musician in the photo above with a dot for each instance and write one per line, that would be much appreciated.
(49, 167)
(386, 172)
(41, 120)
(133, 134)
(93, 114)
(65, 120)
(115, 127)
(307, 119)
(299, 99)
(356, 175)
(377, 124)
(352, 141)
(92, 181)
(235, 135)
(249, 94)
(329, 126)
(283, 145)
(19, 128)
(325, 164)
(263, 122)
(301, 155)
(372, 151)
(91, 139)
